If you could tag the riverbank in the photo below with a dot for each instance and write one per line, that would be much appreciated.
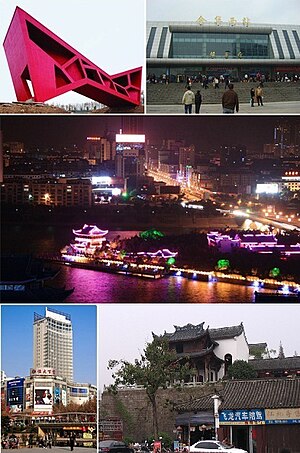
(122, 217)
(154, 272)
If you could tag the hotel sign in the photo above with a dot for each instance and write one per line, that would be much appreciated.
(242, 417)
(282, 416)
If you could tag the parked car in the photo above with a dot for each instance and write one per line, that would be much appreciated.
(114, 446)
(213, 446)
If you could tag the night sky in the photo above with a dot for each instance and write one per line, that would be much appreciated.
(205, 132)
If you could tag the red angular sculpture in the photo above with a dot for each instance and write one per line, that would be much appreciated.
(35, 53)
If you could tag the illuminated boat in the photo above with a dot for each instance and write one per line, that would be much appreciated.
(23, 279)
(276, 297)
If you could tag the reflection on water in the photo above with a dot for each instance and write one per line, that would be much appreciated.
(93, 286)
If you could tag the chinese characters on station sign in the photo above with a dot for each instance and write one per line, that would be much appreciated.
(218, 20)
(243, 417)
(232, 21)
(201, 20)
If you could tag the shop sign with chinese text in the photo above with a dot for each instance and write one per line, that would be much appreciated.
(242, 417)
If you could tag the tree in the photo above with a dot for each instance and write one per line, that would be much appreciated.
(158, 367)
(89, 406)
(281, 352)
(240, 369)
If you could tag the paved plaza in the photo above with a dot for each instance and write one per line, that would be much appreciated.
(276, 108)
(58, 450)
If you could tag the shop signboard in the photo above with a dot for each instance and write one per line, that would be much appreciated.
(242, 417)
(111, 429)
(87, 435)
(15, 394)
(285, 416)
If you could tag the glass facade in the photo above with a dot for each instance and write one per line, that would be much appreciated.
(220, 45)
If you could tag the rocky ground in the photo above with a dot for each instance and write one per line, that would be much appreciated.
(138, 109)
(34, 108)
(16, 108)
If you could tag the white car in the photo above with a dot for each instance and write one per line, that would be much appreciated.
(213, 446)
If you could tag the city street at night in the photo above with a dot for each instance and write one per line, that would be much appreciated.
(126, 216)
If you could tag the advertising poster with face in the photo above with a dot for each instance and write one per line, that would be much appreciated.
(43, 398)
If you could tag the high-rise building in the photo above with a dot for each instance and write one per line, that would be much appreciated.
(130, 155)
(53, 343)
(97, 150)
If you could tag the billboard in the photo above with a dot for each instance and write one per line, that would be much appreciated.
(64, 397)
(130, 138)
(43, 399)
(79, 391)
(28, 397)
(269, 188)
(15, 395)
(57, 395)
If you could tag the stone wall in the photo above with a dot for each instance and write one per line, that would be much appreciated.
(134, 408)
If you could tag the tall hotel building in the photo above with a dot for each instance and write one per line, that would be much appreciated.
(53, 343)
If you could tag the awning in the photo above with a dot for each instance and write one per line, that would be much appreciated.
(192, 419)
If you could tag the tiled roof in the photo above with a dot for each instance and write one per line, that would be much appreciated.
(202, 353)
(190, 332)
(258, 345)
(205, 402)
(263, 393)
(226, 332)
(256, 393)
(187, 332)
(288, 363)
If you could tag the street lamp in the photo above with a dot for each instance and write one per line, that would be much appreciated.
(217, 402)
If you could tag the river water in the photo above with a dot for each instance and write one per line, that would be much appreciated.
(100, 287)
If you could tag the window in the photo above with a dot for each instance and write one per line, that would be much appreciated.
(179, 348)
(228, 362)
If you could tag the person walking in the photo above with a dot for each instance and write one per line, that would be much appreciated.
(198, 101)
(30, 440)
(252, 94)
(259, 95)
(72, 441)
(188, 100)
(230, 100)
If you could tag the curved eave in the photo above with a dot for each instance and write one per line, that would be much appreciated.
(222, 61)
(195, 355)
(90, 236)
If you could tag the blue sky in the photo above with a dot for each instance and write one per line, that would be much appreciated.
(17, 333)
